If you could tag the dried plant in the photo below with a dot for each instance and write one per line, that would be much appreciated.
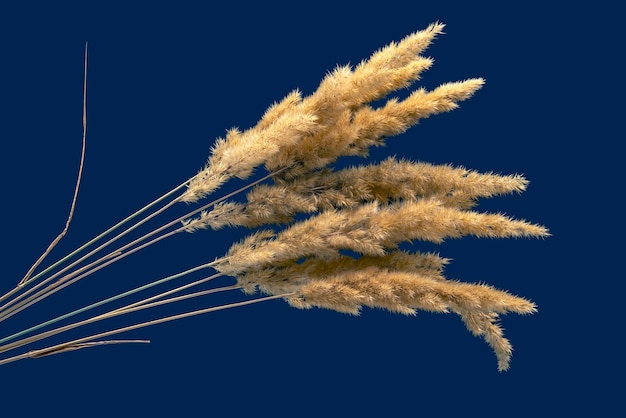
(343, 251)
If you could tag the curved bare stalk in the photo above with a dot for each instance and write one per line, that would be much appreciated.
(74, 347)
(76, 188)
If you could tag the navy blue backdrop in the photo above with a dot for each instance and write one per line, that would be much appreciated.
(165, 80)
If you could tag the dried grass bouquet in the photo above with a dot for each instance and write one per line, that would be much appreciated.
(336, 233)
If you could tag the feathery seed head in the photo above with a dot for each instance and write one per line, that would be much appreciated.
(369, 210)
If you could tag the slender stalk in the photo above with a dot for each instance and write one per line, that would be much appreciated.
(55, 275)
(6, 310)
(141, 305)
(123, 311)
(172, 291)
(64, 282)
(114, 298)
(74, 347)
(76, 188)
(69, 344)
(83, 247)
(107, 315)
(111, 314)
(111, 229)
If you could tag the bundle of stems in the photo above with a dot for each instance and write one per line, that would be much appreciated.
(342, 252)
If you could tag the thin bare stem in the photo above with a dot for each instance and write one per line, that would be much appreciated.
(123, 311)
(107, 315)
(36, 353)
(144, 305)
(111, 229)
(77, 187)
(134, 307)
(43, 353)
(9, 309)
(64, 282)
(119, 296)
(57, 274)
(156, 201)
(176, 290)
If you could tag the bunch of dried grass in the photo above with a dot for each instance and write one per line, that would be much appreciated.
(369, 210)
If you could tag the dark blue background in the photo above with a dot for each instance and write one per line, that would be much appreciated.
(165, 80)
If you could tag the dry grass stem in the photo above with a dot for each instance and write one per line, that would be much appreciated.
(53, 244)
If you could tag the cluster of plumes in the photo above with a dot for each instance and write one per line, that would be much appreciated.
(368, 210)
